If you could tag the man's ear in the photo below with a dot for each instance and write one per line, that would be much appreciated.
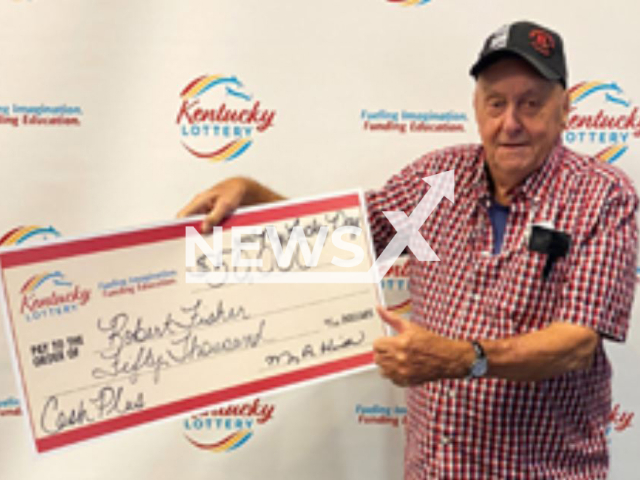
(566, 107)
(475, 100)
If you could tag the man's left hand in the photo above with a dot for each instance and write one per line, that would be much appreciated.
(416, 355)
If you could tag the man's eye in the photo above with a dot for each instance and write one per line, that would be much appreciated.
(532, 104)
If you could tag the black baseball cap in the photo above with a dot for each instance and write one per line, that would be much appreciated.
(537, 45)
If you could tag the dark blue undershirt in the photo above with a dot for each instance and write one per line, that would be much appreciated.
(498, 215)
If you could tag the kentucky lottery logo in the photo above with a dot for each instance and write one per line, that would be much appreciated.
(602, 120)
(227, 428)
(218, 119)
(50, 294)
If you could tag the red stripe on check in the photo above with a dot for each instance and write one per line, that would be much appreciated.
(42, 253)
(183, 406)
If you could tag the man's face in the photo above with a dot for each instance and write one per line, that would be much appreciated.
(520, 117)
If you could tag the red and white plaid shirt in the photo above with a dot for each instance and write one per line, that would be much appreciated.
(494, 428)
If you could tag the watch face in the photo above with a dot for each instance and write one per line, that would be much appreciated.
(479, 368)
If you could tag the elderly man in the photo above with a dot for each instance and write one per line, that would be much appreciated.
(503, 358)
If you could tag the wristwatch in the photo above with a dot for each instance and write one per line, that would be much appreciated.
(480, 365)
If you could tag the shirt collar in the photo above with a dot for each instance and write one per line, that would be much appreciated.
(534, 187)
(538, 183)
(480, 179)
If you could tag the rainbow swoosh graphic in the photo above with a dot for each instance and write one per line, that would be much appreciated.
(227, 153)
(612, 153)
(21, 234)
(582, 90)
(227, 444)
(196, 88)
(409, 3)
(206, 82)
(36, 281)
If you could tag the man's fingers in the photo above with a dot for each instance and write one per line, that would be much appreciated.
(200, 204)
(218, 212)
(385, 344)
(185, 212)
(391, 362)
(390, 353)
(391, 374)
(213, 205)
(384, 363)
(214, 217)
(380, 344)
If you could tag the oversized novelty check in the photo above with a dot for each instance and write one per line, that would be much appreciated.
(107, 334)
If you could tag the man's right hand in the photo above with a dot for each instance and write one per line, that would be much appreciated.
(223, 198)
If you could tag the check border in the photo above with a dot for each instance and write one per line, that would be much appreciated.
(64, 248)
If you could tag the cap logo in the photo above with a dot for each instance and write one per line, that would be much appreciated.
(542, 42)
(499, 38)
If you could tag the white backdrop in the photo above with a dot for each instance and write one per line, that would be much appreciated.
(91, 139)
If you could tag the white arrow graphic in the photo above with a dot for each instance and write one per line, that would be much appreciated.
(408, 227)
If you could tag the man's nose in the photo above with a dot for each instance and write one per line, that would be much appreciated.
(511, 122)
